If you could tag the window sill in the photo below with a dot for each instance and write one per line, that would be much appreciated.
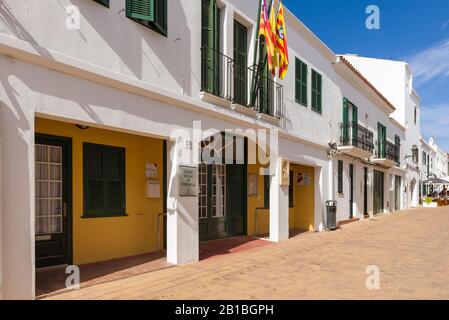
(97, 216)
(317, 111)
(305, 105)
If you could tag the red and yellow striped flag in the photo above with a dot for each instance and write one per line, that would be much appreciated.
(266, 30)
(281, 43)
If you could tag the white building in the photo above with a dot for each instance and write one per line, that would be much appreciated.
(97, 119)
(397, 87)
(434, 163)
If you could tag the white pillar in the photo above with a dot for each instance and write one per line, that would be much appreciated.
(17, 167)
(182, 215)
(331, 180)
(1, 208)
(279, 209)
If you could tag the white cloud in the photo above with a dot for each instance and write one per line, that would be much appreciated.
(444, 26)
(435, 123)
(431, 63)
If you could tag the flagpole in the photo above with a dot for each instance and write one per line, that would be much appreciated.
(261, 67)
(254, 81)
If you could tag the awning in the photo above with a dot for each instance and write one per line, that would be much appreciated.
(436, 181)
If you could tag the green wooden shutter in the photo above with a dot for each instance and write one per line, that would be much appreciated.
(382, 140)
(397, 141)
(340, 177)
(316, 91)
(345, 122)
(210, 22)
(263, 85)
(297, 80)
(355, 123)
(161, 12)
(104, 180)
(141, 9)
(240, 63)
(103, 2)
(301, 82)
(304, 81)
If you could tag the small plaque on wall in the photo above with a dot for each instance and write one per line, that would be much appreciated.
(303, 179)
(188, 177)
(285, 173)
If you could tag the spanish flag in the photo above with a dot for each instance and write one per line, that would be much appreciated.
(281, 43)
(266, 30)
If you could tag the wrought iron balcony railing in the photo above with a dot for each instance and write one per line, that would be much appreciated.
(221, 76)
(217, 72)
(387, 150)
(270, 94)
(353, 134)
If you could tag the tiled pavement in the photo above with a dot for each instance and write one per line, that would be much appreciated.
(411, 249)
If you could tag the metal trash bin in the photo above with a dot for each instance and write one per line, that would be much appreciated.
(331, 207)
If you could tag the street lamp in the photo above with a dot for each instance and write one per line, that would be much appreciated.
(414, 155)
(332, 151)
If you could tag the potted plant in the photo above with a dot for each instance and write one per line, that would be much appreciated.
(429, 203)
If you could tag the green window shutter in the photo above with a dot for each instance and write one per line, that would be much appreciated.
(317, 84)
(161, 15)
(240, 63)
(150, 13)
(103, 2)
(345, 122)
(210, 22)
(340, 177)
(382, 140)
(301, 74)
(355, 129)
(104, 180)
(266, 191)
(291, 201)
(141, 9)
(397, 144)
(266, 87)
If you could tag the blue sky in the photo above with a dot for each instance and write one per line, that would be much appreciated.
(411, 30)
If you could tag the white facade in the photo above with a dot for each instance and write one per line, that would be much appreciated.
(394, 80)
(434, 161)
(115, 74)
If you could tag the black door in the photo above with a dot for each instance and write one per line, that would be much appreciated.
(53, 201)
(365, 191)
(378, 193)
(351, 191)
(397, 192)
(222, 198)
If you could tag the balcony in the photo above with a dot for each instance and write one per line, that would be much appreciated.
(356, 140)
(387, 154)
(226, 83)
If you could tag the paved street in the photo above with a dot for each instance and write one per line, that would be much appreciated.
(411, 249)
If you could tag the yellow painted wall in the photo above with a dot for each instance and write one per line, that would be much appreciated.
(99, 239)
(263, 225)
(302, 214)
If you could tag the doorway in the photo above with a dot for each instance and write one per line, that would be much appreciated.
(378, 192)
(222, 194)
(53, 231)
(397, 192)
